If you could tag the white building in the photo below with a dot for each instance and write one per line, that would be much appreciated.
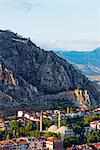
(20, 114)
(95, 124)
(45, 144)
(63, 130)
(53, 144)
(53, 129)
(27, 116)
(37, 144)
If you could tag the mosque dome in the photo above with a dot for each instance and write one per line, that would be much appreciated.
(53, 128)
(64, 130)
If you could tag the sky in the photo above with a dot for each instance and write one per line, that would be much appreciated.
(54, 24)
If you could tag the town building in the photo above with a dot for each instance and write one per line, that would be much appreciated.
(2, 124)
(53, 129)
(32, 144)
(54, 144)
(85, 147)
(95, 124)
(63, 130)
(6, 145)
(15, 144)
(37, 143)
(45, 144)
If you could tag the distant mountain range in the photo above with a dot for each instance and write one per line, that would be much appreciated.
(87, 62)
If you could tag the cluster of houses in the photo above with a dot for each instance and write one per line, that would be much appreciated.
(42, 144)
(32, 144)
(52, 115)
(57, 116)
(35, 116)
(95, 146)
(47, 143)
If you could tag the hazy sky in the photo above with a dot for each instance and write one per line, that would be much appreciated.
(66, 24)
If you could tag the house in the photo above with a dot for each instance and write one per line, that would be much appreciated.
(95, 124)
(2, 124)
(94, 146)
(97, 111)
(97, 146)
(6, 145)
(22, 144)
(45, 144)
(26, 115)
(20, 114)
(54, 144)
(37, 144)
(31, 117)
(17, 144)
(81, 147)
(31, 144)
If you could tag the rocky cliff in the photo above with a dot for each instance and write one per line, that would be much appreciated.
(30, 74)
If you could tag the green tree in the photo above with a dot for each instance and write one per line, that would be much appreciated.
(35, 133)
(14, 126)
(87, 119)
(69, 141)
(64, 122)
(93, 136)
(77, 129)
(47, 123)
(54, 135)
(30, 125)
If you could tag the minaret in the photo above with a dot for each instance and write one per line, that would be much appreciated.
(68, 110)
(59, 119)
(41, 117)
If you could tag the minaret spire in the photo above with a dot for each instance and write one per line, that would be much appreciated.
(59, 119)
(41, 119)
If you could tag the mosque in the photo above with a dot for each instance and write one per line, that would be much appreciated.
(62, 130)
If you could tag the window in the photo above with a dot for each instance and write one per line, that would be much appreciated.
(44, 144)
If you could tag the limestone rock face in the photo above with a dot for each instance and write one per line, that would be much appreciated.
(37, 72)
(82, 96)
(11, 91)
(6, 76)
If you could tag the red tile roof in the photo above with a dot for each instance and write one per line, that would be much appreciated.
(97, 145)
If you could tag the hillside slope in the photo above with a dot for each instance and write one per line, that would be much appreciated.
(88, 62)
(29, 75)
